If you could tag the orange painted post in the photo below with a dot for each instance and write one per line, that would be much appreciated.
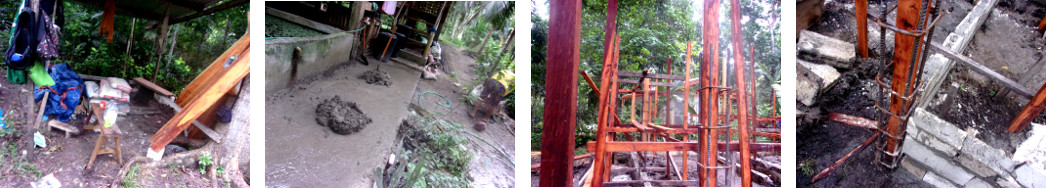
(564, 50)
(907, 49)
(686, 106)
(861, 7)
(1042, 24)
(1030, 111)
(742, 95)
(709, 69)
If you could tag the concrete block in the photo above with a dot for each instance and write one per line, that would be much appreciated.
(1032, 150)
(935, 162)
(976, 166)
(994, 159)
(1031, 175)
(946, 133)
(913, 168)
(937, 144)
(937, 181)
(816, 47)
(1007, 182)
(806, 90)
(811, 79)
(977, 183)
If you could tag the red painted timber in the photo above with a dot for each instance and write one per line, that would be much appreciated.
(742, 99)
(564, 49)
(1030, 111)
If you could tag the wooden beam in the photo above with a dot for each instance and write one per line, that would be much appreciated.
(650, 75)
(1010, 84)
(681, 146)
(152, 86)
(1030, 111)
(236, 72)
(665, 183)
(564, 50)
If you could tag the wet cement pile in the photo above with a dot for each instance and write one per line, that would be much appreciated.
(377, 77)
(342, 117)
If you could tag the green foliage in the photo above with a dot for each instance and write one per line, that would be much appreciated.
(197, 44)
(808, 167)
(204, 161)
(131, 179)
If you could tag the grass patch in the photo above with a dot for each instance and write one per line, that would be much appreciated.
(131, 179)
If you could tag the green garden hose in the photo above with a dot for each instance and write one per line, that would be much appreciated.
(422, 95)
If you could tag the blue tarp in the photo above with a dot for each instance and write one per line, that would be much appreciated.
(65, 94)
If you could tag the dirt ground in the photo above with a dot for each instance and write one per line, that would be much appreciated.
(308, 159)
(66, 157)
(1006, 43)
(488, 168)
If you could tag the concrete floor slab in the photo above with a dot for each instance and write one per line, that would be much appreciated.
(300, 152)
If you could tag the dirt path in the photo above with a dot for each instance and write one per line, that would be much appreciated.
(488, 168)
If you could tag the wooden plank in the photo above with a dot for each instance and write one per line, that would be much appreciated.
(937, 69)
(709, 65)
(564, 50)
(628, 81)
(1010, 84)
(664, 183)
(213, 71)
(681, 146)
(152, 86)
(654, 76)
(239, 69)
(326, 29)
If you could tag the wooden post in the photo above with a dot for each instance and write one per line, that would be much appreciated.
(906, 49)
(1030, 111)
(1042, 24)
(709, 67)
(557, 138)
(861, 7)
(742, 95)
(686, 105)
(159, 44)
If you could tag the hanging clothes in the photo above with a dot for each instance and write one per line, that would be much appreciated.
(108, 18)
(389, 7)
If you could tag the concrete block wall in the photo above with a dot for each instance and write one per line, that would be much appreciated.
(945, 156)
(318, 54)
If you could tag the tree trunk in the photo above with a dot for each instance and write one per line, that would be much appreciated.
(479, 47)
(506, 45)
(225, 33)
(466, 23)
(174, 40)
(130, 44)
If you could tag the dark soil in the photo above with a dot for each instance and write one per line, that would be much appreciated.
(342, 117)
(377, 77)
